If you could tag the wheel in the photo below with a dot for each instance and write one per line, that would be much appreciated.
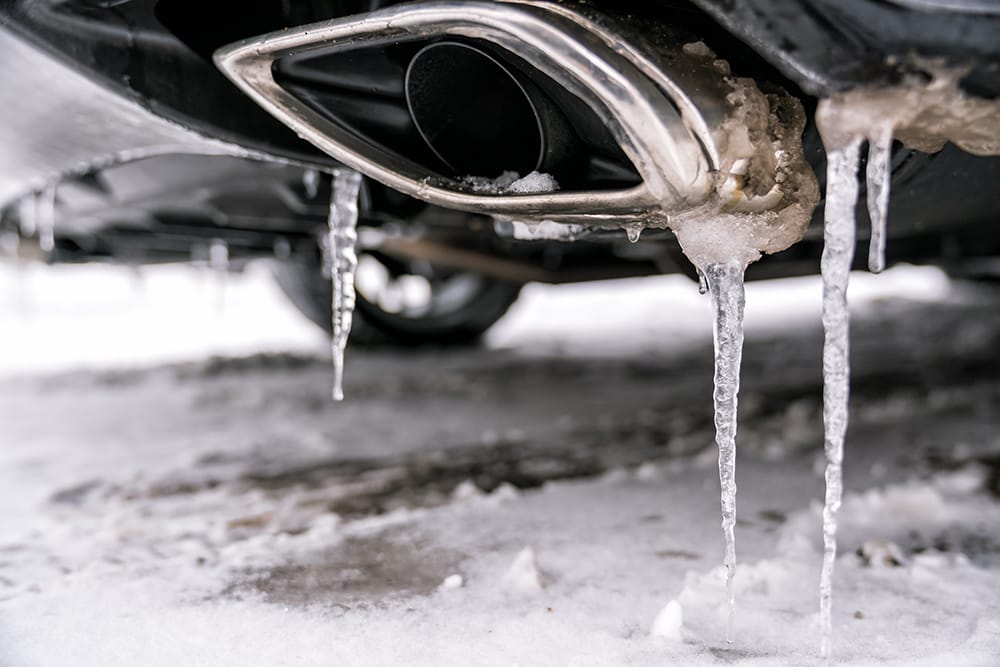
(401, 303)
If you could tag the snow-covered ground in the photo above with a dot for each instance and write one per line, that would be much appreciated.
(176, 487)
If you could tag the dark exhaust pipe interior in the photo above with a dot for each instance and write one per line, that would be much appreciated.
(482, 117)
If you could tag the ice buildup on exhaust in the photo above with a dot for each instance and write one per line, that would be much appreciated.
(763, 200)
(923, 115)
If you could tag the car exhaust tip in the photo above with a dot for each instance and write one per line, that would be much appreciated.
(480, 116)
(494, 87)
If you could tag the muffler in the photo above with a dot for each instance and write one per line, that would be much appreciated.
(480, 116)
(491, 87)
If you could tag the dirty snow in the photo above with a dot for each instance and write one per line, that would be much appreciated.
(176, 487)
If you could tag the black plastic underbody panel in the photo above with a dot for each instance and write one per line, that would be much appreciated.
(158, 51)
(826, 46)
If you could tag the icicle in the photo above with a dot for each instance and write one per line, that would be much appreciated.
(835, 266)
(725, 282)
(310, 181)
(45, 218)
(879, 174)
(218, 255)
(218, 262)
(702, 283)
(633, 231)
(340, 262)
(27, 216)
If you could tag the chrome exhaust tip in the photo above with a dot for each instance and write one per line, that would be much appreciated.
(480, 116)
(669, 110)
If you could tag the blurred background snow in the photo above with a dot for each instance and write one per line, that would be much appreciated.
(103, 316)
(225, 511)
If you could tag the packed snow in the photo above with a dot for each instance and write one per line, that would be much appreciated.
(547, 231)
(163, 507)
(533, 183)
(512, 183)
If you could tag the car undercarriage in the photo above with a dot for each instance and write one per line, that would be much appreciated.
(165, 159)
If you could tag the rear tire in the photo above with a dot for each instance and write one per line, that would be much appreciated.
(461, 324)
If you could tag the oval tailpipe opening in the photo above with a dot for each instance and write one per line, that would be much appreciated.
(480, 117)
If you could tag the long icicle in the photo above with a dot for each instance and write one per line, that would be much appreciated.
(725, 282)
(340, 262)
(879, 175)
(835, 266)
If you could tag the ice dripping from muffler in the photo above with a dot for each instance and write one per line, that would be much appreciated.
(340, 262)
(720, 160)
(763, 199)
(923, 114)
(725, 283)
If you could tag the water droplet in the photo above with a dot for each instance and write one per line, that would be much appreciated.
(633, 231)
